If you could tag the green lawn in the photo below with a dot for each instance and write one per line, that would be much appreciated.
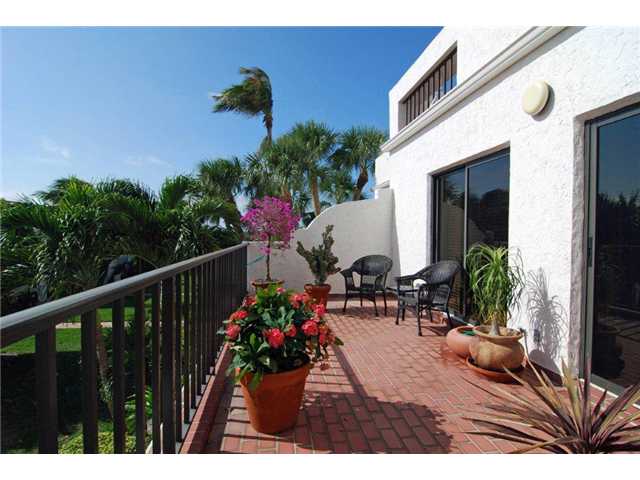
(67, 340)
(105, 313)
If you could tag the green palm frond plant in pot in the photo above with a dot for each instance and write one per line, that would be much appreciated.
(322, 263)
(496, 282)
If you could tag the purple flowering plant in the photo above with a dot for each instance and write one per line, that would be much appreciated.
(272, 222)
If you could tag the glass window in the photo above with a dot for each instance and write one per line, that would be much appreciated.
(472, 206)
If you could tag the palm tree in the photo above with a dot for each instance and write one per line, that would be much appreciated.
(223, 179)
(285, 165)
(314, 142)
(72, 240)
(339, 185)
(359, 148)
(252, 97)
(259, 176)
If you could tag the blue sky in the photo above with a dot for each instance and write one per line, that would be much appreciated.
(135, 103)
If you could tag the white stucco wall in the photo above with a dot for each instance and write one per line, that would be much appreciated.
(591, 71)
(360, 228)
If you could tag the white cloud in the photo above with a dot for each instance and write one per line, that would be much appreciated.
(146, 161)
(52, 148)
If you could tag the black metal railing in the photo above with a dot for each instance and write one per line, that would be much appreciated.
(188, 301)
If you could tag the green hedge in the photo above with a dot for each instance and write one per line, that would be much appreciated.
(105, 443)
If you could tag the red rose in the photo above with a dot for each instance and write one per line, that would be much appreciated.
(275, 337)
(319, 310)
(233, 331)
(239, 315)
(310, 328)
(291, 331)
(280, 290)
(322, 339)
(249, 301)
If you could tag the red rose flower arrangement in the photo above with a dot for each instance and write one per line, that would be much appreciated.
(276, 331)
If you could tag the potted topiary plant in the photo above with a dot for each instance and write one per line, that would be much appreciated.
(322, 263)
(272, 222)
(276, 337)
(496, 285)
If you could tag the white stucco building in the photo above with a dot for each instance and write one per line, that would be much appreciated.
(465, 163)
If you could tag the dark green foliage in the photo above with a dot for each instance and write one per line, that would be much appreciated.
(322, 262)
(130, 410)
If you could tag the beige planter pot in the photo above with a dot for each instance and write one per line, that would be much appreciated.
(261, 284)
(492, 352)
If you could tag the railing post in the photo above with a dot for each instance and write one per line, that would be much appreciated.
(186, 384)
(89, 383)
(203, 326)
(192, 341)
(178, 357)
(168, 366)
(211, 318)
(217, 310)
(199, 333)
(47, 390)
(155, 368)
(118, 341)
(139, 372)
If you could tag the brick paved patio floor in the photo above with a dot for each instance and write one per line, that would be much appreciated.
(386, 391)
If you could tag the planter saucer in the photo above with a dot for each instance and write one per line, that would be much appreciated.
(500, 377)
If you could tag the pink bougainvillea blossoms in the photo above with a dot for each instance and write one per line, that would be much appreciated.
(273, 222)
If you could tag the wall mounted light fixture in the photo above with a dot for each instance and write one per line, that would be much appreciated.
(535, 97)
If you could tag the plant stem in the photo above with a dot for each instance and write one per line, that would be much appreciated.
(269, 259)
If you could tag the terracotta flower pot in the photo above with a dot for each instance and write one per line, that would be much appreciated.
(260, 284)
(459, 342)
(320, 293)
(273, 406)
(493, 352)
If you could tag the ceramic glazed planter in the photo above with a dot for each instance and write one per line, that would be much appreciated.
(260, 284)
(273, 406)
(491, 352)
(459, 342)
(320, 293)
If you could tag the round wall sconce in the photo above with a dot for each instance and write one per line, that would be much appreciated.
(535, 97)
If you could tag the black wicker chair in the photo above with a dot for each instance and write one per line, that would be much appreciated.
(373, 270)
(431, 295)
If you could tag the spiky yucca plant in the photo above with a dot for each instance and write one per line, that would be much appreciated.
(562, 425)
(322, 262)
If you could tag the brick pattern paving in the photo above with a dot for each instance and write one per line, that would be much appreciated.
(386, 391)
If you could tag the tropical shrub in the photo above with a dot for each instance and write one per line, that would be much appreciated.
(322, 262)
(559, 423)
(496, 284)
(272, 222)
(276, 331)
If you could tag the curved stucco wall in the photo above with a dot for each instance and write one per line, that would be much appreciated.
(591, 71)
(360, 228)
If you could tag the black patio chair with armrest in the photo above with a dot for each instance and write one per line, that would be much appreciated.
(373, 271)
(433, 292)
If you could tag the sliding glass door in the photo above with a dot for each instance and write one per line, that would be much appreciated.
(613, 299)
(471, 206)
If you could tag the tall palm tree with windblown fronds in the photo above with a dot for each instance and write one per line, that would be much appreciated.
(252, 97)
(359, 148)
